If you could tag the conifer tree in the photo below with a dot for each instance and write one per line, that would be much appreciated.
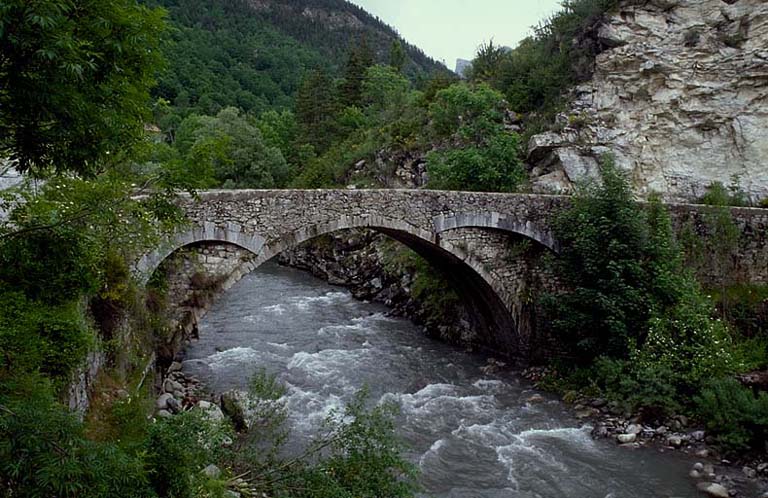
(315, 108)
(397, 56)
(360, 59)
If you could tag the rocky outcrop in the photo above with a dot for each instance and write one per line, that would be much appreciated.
(679, 98)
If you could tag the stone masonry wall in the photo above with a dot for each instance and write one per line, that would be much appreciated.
(195, 276)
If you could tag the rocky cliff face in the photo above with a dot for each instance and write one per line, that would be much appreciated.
(680, 98)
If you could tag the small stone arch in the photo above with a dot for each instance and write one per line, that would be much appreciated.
(232, 233)
(497, 221)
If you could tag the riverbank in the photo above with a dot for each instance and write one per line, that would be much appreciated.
(712, 473)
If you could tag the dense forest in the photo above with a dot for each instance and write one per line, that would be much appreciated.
(253, 54)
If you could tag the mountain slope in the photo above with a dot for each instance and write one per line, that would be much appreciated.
(254, 53)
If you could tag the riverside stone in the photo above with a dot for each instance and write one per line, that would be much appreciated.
(173, 405)
(170, 386)
(626, 438)
(675, 441)
(634, 429)
(162, 401)
(713, 489)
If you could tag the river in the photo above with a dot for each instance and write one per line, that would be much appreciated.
(471, 434)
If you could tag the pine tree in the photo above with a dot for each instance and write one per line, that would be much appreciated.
(360, 59)
(397, 56)
(315, 108)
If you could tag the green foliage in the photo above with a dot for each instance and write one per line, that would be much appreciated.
(356, 453)
(535, 75)
(43, 451)
(488, 157)
(50, 265)
(650, 386)
(397, 56)
(179, 448)
(51, 340)
(737, 417)
(745, 306)
(75, 80)
(496, 167)
(228, 150)
(719, 195)
(359, 59)
(363, 458)
(622, 264)
(471, 112)
(688, 342)
(316, 107)
(63, 244)
(487, 63)
(385, 90)
(641, 319)
(230, 53)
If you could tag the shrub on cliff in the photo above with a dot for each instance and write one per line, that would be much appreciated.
(44, 452)
(640, 322)
(535, 75)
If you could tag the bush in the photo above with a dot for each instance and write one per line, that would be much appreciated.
(536, 74)
(737, 417)
(50, 265)
(634, 305)
(690, 343)
(649, 388)
(179, 448)
(364, 458)
(38, 338)
(495, 167)
(355, 454)
(622, 264)
(43, 451)
(473, 112)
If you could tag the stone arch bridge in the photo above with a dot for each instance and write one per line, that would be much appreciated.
(490, 245)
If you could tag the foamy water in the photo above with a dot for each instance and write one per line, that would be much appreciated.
(471, 434)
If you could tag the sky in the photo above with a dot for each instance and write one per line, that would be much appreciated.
(451, 29)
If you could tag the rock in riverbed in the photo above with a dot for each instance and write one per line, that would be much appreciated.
(626, 438)
(713, 489)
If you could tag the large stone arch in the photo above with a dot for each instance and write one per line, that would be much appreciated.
(478, 288)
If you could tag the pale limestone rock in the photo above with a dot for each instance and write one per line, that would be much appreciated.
(680, 97)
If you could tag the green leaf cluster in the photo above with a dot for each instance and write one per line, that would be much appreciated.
(75, 80)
